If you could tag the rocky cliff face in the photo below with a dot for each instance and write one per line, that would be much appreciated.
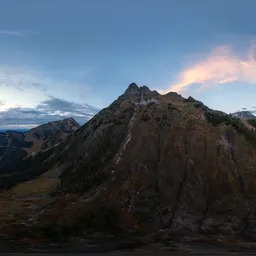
(168, 166)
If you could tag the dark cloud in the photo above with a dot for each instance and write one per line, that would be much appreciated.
(55, 105)
(244, 109)
(49, 110)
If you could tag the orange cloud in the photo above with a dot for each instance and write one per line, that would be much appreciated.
(220, 67)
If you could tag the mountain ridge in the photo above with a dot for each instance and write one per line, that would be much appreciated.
(16, 146)
(149, 171)
(244, 115)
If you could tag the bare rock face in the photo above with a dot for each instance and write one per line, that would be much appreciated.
(141, 169)
(136, 93)
(132, 89)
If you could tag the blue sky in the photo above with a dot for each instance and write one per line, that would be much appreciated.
(86, 52)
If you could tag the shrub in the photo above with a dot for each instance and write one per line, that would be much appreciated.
(217, 118)
(252, 122)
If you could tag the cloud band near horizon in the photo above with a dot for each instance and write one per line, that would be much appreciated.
(52, 109)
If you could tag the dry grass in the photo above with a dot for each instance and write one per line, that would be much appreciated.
(16, 202)
(9, 208)
(35, 187)
(55, 172)
(36, 147)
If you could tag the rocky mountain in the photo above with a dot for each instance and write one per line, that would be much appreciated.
(147, 167)
(47, 135)
(15, 146)
(244, 115)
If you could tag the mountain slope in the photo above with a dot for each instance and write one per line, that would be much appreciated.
(15, 146)
(151, 166)
(47, 135)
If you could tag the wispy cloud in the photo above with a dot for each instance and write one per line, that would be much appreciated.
(17, 33)
(26, 87)
(10, 32)
(221, 66)
(21, 78)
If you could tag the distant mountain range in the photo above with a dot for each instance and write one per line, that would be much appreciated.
(244, 115)
(16, 146)
(16, 130)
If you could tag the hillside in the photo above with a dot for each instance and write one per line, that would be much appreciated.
(149, 166)
(50, 134)
(19, 148)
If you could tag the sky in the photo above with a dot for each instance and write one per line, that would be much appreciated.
(61, 58)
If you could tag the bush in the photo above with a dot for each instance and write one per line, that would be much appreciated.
(252, 122)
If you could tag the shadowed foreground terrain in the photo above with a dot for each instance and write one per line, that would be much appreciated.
(155, 249)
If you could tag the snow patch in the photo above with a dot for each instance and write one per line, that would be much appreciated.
(119, 155)
(146, 102)
(126, 141)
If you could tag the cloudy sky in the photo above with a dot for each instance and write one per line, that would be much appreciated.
(71, 57)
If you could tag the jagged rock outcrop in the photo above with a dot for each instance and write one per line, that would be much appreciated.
(174, 166)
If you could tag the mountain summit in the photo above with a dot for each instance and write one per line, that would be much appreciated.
(134, 89)
(244, 115)
(151, 166)
(141, 95)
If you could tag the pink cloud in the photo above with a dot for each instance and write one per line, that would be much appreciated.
(221, 66)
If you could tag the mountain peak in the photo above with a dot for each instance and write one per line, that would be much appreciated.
(133, 88)
(244, 115)
(73, 121)
(144, 89)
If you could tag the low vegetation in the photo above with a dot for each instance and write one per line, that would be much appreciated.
(216, 118)
(252, 122)
(35, 187)
(22, 171)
